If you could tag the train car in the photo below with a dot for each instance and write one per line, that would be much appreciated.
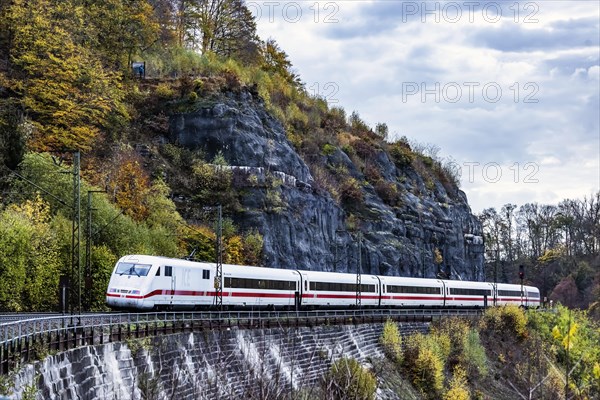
(411, 292)
(146, 283)
(532, 297)
(331, 289)
(468, 294)
(258, 287)
(524, 296)
(506, 294)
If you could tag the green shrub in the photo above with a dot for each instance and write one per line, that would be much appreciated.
(328, 149)
(401, 153)
(351, 191)
(474, 357)
(388, 192)
(253, 247)
(391, 341)
(164, 90)
(347, 379)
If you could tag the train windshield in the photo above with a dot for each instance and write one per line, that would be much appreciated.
(132, 269)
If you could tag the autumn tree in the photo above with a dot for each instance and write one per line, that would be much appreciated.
(64, 88)
(276, 61)
(224, 27)
(130, 185)
(120, 29)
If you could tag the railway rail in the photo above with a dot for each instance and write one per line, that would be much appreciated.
(25, 340)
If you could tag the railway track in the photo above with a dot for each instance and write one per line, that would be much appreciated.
(8, 317)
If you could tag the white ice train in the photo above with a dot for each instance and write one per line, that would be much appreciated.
(144, 282)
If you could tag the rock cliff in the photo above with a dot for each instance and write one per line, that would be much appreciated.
(304, 226)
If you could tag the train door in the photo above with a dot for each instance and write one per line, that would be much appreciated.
(298, 292)
(169, 273)
(444, 293)
(379, 289)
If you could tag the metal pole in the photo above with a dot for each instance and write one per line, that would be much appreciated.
(76, 235)
(358, 271)
(88, 250)
(88, 253)
(567, 370)
(219, 269)
(496, 276)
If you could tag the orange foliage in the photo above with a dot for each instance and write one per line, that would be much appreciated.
(130, 186)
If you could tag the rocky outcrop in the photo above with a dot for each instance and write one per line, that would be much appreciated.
(303, 227)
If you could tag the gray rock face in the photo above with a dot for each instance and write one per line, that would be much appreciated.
(305, 228)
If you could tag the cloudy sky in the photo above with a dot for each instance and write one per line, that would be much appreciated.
(509, 90)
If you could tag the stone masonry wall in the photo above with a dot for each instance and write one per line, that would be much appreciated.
(206, 365)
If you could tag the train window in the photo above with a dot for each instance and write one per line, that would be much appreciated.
(244, 283)
(367, 288)
(509, 293)
(470, 292)
(305, 286)
(340, 287)
(205, 274)
(413, 289)
(158, 271)
(168, 270)
(132, 269)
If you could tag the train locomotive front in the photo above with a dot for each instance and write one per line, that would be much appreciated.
(129, 283)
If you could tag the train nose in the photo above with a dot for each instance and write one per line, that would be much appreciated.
(124, 298)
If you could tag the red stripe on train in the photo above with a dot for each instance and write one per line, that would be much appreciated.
(306, 296)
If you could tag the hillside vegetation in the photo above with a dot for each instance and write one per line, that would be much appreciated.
(508, 354)
(66, 84)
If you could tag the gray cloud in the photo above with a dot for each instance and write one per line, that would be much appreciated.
(582, 32)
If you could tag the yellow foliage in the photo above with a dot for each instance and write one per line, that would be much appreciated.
(551, 255)
(36, 210)
(458, 386)
(506, 319)
(567, 340)
(66, 89)
(391, 340)
(424, 357)
(234, 250)
(437, 256)
(428, 372)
